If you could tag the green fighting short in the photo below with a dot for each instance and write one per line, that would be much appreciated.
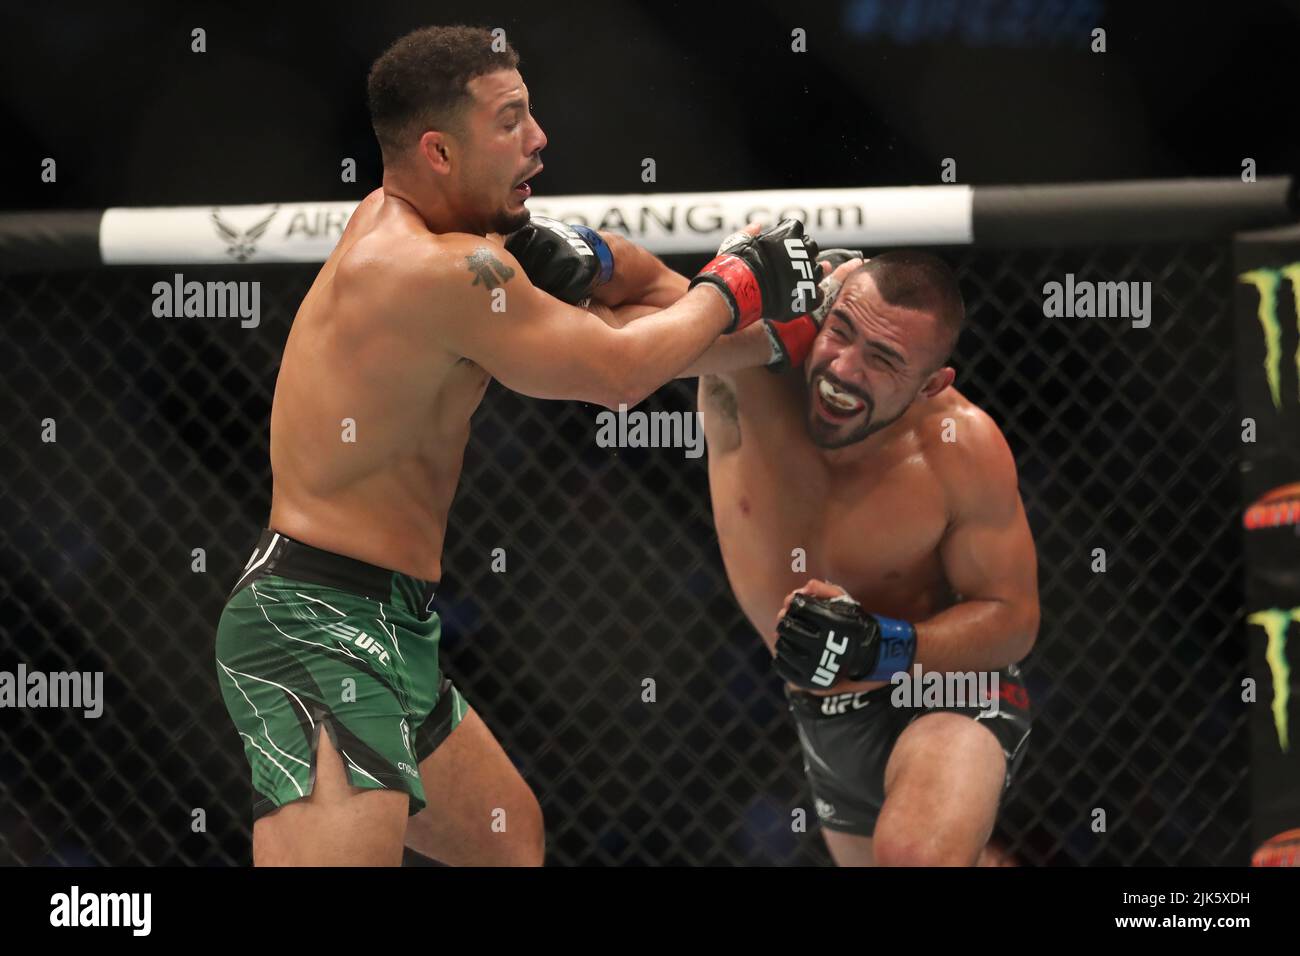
(311, 639)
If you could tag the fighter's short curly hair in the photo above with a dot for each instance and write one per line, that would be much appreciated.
(419, 83)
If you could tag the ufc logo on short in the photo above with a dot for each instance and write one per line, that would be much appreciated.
(824, 676)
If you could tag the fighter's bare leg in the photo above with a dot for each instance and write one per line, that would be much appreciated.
(943, 783)
(336, 825)
(479, 810)
(850, 849)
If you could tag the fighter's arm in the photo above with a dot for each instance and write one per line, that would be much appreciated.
(485, 309)
(751, 347)
(748, 348)
(640, 278)
(988, 557)
(641, 284)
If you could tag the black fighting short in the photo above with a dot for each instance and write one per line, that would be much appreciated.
(847, 740)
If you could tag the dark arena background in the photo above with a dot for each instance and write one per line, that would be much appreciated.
(1126, 439)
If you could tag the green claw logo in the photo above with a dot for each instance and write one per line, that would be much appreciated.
(1275, 622)
(1267, 282)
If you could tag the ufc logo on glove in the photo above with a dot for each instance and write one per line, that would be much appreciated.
(800, 262)
(824, 676)
(822, 640)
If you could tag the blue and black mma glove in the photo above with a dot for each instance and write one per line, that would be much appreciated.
(566, 261)
(822, 640)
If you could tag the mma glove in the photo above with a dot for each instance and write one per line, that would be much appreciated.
(566, 261)
(823, 640)
(792, 341)
(770, 275)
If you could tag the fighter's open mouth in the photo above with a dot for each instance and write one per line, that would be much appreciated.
(838, 404)
(525, 185)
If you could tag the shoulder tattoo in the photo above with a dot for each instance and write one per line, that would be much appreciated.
(487, 269)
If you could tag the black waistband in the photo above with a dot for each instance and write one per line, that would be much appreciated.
(1011, 691)
(837, 705)
(277, 553)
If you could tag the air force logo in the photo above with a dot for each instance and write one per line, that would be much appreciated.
(242, 243)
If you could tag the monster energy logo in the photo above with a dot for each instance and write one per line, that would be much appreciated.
(1267, 282)
(1275, 622)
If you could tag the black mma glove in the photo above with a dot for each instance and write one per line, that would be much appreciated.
(822, 640)
(792, 341)
(564, 260)
(772, 275)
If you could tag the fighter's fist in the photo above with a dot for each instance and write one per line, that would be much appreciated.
(814, 588)
(773, 274)
(565, 260)
(824, 636)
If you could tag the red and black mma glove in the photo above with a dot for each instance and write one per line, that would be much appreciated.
(771, 275)
(564, 260)
(792, 341)
(822, 640)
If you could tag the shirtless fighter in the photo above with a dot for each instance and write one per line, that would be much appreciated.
(896, 487)
(331, 626)
(860, 463)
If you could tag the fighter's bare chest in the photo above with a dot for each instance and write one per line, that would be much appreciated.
(884, 547)
(875, 531)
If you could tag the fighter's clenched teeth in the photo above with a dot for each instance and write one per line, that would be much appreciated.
(836, 402)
